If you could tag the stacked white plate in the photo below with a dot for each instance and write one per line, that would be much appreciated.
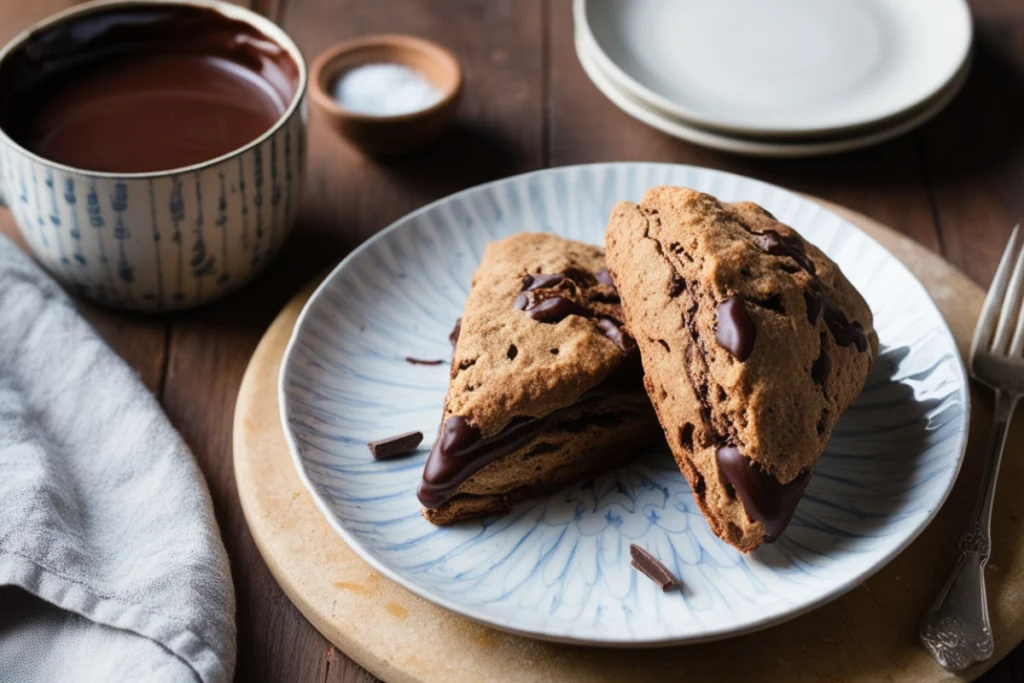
(781, 78)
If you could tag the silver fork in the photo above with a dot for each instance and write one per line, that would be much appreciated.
(956, 629)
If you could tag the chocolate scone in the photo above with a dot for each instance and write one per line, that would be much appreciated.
(546, 386)
(753, 343)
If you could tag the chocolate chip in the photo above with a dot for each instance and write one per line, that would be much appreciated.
(512, 352)
(613, 331)
(676, 287)
(771, 242)
(649, 566)
(395, 446)
(604, 277)
(735, 331)
(454, 336)
(417, 361)
(542, 281)
(555, 309)
(764, 498)
(843, 331)
(522, 301)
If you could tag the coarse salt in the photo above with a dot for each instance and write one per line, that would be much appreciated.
(384, 90)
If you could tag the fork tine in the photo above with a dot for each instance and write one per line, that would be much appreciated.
(994, 299)
(1011, 306)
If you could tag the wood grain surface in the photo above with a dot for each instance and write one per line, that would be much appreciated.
(956, 186)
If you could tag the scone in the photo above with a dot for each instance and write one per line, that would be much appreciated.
(546, 386)
(753, 344)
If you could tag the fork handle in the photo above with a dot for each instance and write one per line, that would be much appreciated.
(956, 629)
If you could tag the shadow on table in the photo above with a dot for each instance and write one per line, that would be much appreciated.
(465, 155)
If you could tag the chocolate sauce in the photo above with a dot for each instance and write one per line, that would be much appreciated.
(461, 450)
(144, 88)
(763, 497)
(735, 330)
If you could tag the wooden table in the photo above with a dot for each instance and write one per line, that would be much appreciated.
(956, 186)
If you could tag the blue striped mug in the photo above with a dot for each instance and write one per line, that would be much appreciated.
(163, 240)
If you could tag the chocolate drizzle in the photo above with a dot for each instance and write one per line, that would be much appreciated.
(735, 331)
(764, 498)
(552, 297)
(461, 450)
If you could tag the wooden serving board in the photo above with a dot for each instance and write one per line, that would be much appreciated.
(868, 635)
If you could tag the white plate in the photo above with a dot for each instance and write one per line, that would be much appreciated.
(558, 567)
(779, 67)
(759, 147)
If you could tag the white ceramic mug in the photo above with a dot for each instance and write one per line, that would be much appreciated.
(168, 239)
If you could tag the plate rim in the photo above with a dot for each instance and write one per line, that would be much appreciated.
(355, 544)
(667, 108)
(775, 148)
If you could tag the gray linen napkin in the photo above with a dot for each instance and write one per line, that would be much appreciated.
(111, 564)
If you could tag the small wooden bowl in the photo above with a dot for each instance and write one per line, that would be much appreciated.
(387, 134)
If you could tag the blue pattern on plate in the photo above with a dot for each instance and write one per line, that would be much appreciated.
(558, 567)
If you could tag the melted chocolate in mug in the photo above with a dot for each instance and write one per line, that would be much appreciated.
(146, 88)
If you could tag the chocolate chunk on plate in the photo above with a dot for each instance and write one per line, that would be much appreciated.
(652, 568)
(395, 446)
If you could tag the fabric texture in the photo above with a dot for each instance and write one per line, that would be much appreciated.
(111, 563)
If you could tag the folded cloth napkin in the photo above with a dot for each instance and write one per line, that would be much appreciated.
(111, 564)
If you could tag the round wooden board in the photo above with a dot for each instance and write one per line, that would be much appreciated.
(868, 635)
